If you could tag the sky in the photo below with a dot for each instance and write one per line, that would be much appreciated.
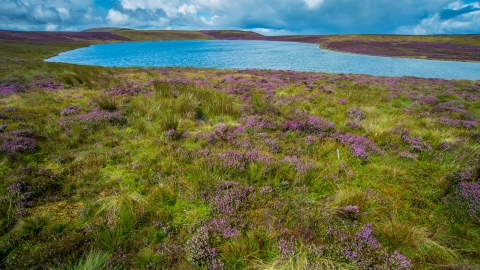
(268, 17)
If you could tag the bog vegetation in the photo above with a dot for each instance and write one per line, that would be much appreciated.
(104, 168)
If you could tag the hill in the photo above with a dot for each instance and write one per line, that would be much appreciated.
(104, 29)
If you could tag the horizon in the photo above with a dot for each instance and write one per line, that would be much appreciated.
(200, 30)
(293, 17)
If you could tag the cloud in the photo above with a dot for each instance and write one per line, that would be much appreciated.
(456, 17)
(50, 15)
(274, 17)
(117, 17)
(312, 4)
(51, 27)
(47, 14)
(458, 8)
(187, 9)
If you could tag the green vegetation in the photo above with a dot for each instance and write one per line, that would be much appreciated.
(455, 39)
(105, 29)
(148, 35)
(441, 47)
(133, 168)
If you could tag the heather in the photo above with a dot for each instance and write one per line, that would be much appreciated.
(182, 168)
(69, 37)
(441, 47)
(411, 49)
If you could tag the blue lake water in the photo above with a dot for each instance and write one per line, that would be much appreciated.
(247, 54)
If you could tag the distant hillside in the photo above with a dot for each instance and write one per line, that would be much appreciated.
(104, 29)
(232, 34)
(443, 47)
(148, 35)
(67, 37)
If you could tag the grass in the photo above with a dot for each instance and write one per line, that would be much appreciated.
(436, 47)
(149, 35)
(202, 168)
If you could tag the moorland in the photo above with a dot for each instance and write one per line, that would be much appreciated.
(187, 168)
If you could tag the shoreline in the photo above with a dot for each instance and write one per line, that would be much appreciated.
(397, 43)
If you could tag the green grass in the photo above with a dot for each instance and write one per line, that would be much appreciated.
(125, 193)
(150, 35)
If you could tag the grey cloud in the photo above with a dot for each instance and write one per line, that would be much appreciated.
(119, 15)
(450, 13)
(46, 14)
(333, 16)
(40, 15)
(141, 14)
(293, 16)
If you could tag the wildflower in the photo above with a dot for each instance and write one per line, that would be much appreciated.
(287, 247)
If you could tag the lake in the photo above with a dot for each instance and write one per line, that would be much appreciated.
(248, 54)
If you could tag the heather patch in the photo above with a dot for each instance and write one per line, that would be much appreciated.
(408, 155)
(230, 198)
(219, 134)
(287, 247)
(462, 176)
(354, 125)
(18, 141)
(356, 114)
(313, 125)
(464, 201)
(450, 106)
(457, 123)
(46, 85)
(131, 89)
(70, 110)
(19, 196)
(273, 145)
(256, 125)
(381, 45)
(363, 249)
(228, 201)
(415, 143)
(94, 118)
(232, 160)
(201, 253)
(360, 146)
(173, 134)
(299, 165)
(420, 98)
(11, 88)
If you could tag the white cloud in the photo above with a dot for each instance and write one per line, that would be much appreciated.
(313, 4)
(117, 17)
(271, 32)
(51, 27)
(186, 9)
(64, 14)
(209, 22)
(46, 13)
(457, 5)
(465, 23)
